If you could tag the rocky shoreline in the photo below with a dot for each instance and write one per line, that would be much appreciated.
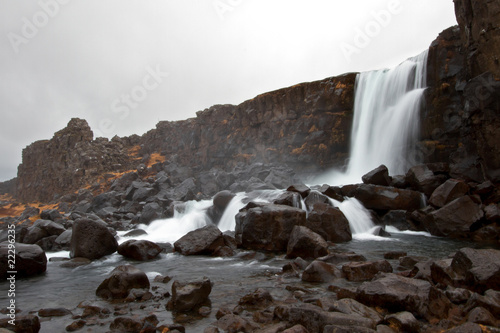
(321, 289)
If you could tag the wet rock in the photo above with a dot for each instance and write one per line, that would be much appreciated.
(315, 197)
(63, 241)
(91, 239)
(306, 244)
(50, 214)
(29, 260)
(394, 255)
(187, 296)
(442, 272)
(347, 329)
(455, 219)
(365, 270)
(422, 179)
(267, 227)
(76, 325)
(458, 295)
(387, 198)
(490, 301)
(378, 176)
(353, 307)
(481, 316)
(329, 222)
(23, 324)
(395, 293)
(139, 249)
(447, 192)
(220, 201)
(409, 262)
(121, 281)
(291, 199)
(315, 319)
(319, 271)
(151, 211)
(492, 213)
(54, 312)
(135, 233)
(403, 322)
(258, 299)
(204, 240)
(339, 258)
(33, 235)
(234, 323)
(125, 325)
(397, 219)
(302, 189)
(481, 268)
(76, 262)
(466, 328)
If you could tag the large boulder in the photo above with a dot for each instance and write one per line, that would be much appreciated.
(365, 270)
(267, 227)
(330, 223)
(448, 191)
(378, 176)
(386, 198)
(139, 249)
(395, 293)
(305, 243)
(455, 219)
(480, 268)
(320, 271)
(23, 324)
(204, 240)
(29, 260)
(187, 296)
(91, 239)
(122, 280)
(422, 179)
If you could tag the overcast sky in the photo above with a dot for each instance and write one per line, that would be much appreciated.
(124, 65)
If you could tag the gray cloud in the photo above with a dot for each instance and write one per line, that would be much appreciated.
(82, 58)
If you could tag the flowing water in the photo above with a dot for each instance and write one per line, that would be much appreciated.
(385, 127)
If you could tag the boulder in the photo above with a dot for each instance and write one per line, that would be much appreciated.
(365, 270)
(234, 323)
(319, 271)
(91, 239)
(306, 244)
(480, 268)
(222, 199)
(339, 258)
(302, 189)
(448, 191)
(151, 211)
(204, 240)
(455, 219)
(378, 176)
(23, 324)
(422, 179)
(267, 227)
(292, 199)
(33, 235)
(50, 214)
(54, 312)
(353, 307)
(329, 222)
(258, 299)
(63, 241)
(29, 260)
(387, 198)
(315, 197)
(403, 322)
(52, 228)
(397, 219)
(187, 296)
(395, 293)
(139, 249)
(125, 325)
(122, 280)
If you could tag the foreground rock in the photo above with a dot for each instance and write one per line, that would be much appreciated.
(122, 280)
(306, 244)
(384, 197)
(204, 240)
(480, 269)
(23, 324)
(267, 227)
(92, 240)
(330, 223)
(29, 260)
(187, 296)
(139, 249)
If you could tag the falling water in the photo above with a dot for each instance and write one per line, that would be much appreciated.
(227, 221)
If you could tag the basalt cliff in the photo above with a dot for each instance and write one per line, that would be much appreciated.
(304, 128)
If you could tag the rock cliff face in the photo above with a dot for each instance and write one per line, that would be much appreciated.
(69, 161)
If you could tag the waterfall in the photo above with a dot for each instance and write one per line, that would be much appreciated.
(227, 221)
(386, 119)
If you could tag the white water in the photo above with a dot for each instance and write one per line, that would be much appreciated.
(227, 221)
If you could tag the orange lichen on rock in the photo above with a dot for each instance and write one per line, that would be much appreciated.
(155, 158)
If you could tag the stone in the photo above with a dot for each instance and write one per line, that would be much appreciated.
(490, 301)
(394, 255)
(466, 328)
(33, 235)
(125, 325)
(139, 249)
(235, 323)
(54, 312)
(481, 316)
(397, 219)
(29, 260)
(296, 329)
(387, 198)
(315, 197)
(23, 324)
(121, 281)
(319, 271)
(365, 270)
(63, 241)
(258, 299)
(50, 214)
(395, 293)
(353, 307)
(329, 222)
(422, 179)
(204, 240)
(267, 227)
(76, 325)
(447, 192)
(306, 244)
(481, 268)
(92, 240)
(403, 322)
(454, 219)
(302, 189)
(378, 176)
(189, 295)
(339, 258)
(151, 211)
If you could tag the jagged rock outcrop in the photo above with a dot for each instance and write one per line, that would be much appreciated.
(69, 161)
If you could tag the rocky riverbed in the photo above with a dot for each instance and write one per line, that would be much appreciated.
(290, 261)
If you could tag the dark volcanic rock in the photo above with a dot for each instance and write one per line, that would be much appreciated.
(29, 260)
(306, 244)
(481, 268)
(330, 223)
(139, 249)
(365, 270)
(378, 176)
(187, 296)
(320, 271)
(267, 227)
(422, 179)
(122, 280)
(204, 240)
(450, 190)
(387, 198)
(24, 324)
(91, 239)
